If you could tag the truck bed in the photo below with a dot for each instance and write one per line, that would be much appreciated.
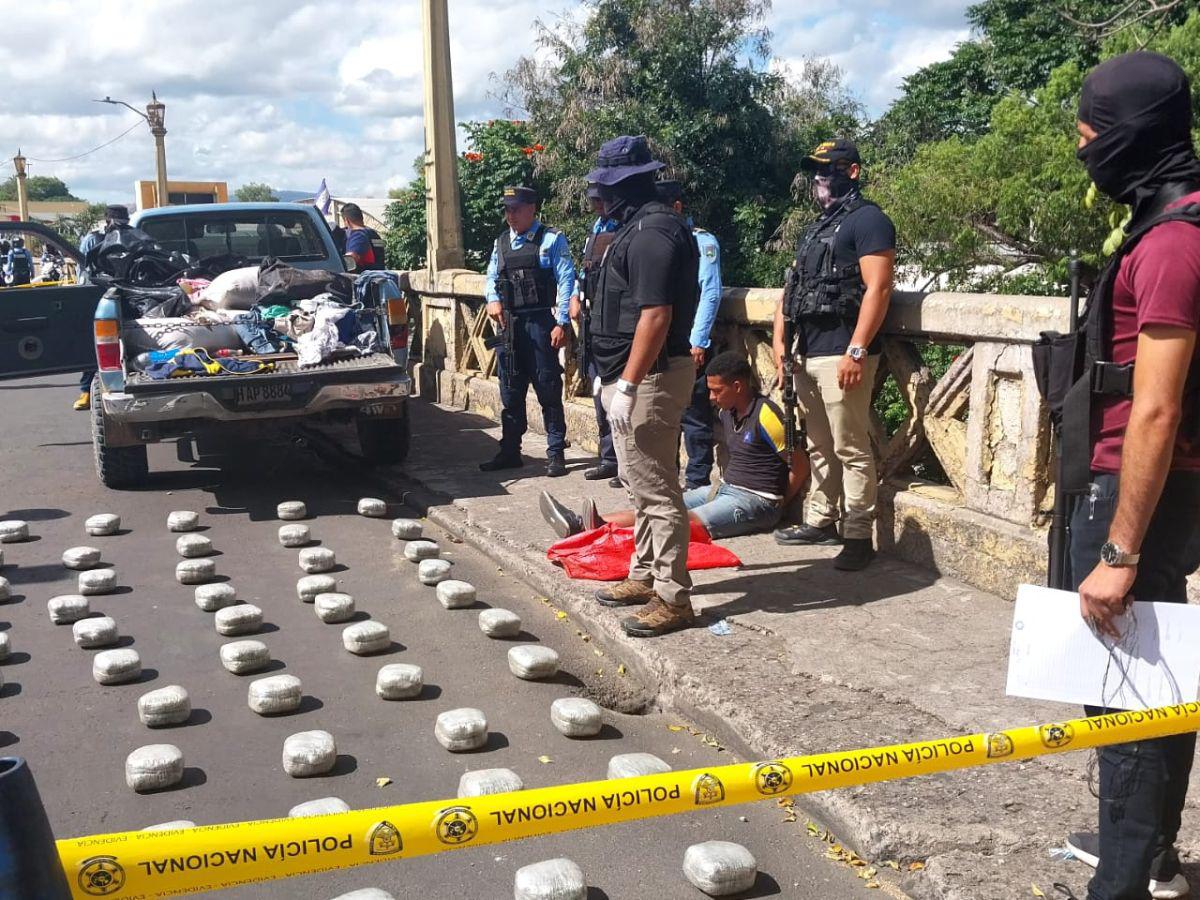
(333, 369)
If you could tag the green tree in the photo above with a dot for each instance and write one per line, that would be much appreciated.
(697, 77)
(1013, 203)
(38, 187)
(256, 192)
(75, 227)
(500, 152)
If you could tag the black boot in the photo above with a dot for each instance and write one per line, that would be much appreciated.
(601, 472)
(856, 555)
(502, 460)
(556, 465)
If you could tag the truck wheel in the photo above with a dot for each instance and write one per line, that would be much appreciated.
(118, 467)
(384, 441)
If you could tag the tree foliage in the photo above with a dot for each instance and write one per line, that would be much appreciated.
(38, 187)
(75, 227)
(255, 192)
(1015, 200)
(696, 77)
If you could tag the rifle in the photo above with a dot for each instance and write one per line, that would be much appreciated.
(789, 362)
(1057, 575)
(504, 340)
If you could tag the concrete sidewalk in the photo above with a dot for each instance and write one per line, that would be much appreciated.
(817, 660)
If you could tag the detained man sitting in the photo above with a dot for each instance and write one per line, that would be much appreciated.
(759, 480)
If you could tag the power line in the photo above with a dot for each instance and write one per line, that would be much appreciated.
(88, 152)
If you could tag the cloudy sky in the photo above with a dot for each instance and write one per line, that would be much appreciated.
(290, 92)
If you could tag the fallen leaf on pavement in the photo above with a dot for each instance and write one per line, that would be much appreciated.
(621, 669)
(382, 782)
(560, 615)
(1037, 891)
(675, 728)
(916, 866)
(545, 760)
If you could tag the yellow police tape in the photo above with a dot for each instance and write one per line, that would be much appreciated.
(142, 864)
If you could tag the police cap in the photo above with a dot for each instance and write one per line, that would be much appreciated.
(116, 213)
(520, 196)
(829, 153)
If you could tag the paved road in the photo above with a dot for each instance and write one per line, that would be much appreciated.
(76, 733)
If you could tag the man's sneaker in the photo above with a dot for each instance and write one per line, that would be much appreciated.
(83, 401)
(627, 593)
(556, 465)
(856, 555)
(501, 461)
(601, 472)
(591, 515)
(564, 522)
(1085, 847)
(658, 618)
(799, 535)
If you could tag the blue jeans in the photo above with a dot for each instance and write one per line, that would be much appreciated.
(85, 380)
(608, 453)
(698, 435)
(1143, 784)
(732, 511)
(536, 364)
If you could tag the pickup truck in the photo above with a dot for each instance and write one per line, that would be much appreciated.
(72, 328)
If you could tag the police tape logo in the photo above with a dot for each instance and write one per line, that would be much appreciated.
(999, 745)
(384, 840)
(708, 790)
(101, 876)
(1055, 736)
(457, 825)
(772, 778)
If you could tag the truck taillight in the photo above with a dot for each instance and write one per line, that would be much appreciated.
(397, 308)
(108, 344)
(399, 337)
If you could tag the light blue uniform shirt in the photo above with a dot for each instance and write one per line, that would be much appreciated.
(90, 240)
(710, 288)
(554, 254)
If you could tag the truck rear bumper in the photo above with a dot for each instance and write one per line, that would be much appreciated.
(134, 408)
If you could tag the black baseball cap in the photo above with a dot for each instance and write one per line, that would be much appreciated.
(516, 196)
(116, 213)
(828, 153)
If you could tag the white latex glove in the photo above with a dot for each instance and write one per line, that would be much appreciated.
(620, 412)
(596, 386)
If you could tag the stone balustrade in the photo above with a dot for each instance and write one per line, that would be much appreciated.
(982, 422)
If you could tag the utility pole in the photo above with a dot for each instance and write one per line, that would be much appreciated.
(22, 191)
(155, 116)
(442, 207)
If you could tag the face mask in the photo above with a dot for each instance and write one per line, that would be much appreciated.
(829, 189)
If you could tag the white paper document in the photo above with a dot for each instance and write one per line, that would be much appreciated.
(1055, 656)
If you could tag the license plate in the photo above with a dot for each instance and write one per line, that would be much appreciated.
(262, 394)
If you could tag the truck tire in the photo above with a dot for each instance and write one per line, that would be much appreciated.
(384, 442)
(118, 467)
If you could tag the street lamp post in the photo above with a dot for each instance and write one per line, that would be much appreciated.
(443, 213)
(155, 116)
(22, 191)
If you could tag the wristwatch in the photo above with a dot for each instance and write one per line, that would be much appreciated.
(626, 387)
(1114, 556)
(858, 354)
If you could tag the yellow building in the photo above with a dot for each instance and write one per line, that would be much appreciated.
(181, 192)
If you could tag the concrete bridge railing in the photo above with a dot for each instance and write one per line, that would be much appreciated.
(983, 420)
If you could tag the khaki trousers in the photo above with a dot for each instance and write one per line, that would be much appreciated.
(648, 458)
(844, 480)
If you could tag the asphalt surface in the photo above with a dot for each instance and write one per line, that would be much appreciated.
(76, 733)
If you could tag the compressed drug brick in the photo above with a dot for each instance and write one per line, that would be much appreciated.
(196, 571)
(399, 681)
(309, 753)
(455, 594)
(13, 531)
(576, 717)
(192, 546)
(241, 657)
(212, 597)
(183, 520)
(81, 557)
(308, 587)
(92, 633)
(97, 581)
(720, 868)
(275, 694)
(154, 767)
(363, 638)
(334, 607)
(482, 782)
(461, 730)
(68, 609)
(499, 623)
(102, 525)
(433, 571)
(291, 509)
(323, 807)
(116, 666)
(554, 879)
(245, 618)
(294, 535)
(168, 705)
(630, 765)
(531, 662)
(406, 529)
(415, 551)
(317, 559)
(372, 507)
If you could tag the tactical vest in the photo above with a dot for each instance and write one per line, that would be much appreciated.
(821, 288)
(521, 282)
(616, 312)
(593, 256)
(22, 267)
(1074, 370)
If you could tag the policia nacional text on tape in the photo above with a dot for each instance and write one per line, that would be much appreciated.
(143, 864)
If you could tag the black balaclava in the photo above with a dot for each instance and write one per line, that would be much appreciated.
(831, 185)
(1140, 106)
(623, 199)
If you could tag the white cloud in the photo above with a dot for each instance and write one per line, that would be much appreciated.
(291, 92)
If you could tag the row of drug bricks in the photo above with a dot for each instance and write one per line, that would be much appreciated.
(715, 867)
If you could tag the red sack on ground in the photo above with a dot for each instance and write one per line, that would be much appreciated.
(603, 554)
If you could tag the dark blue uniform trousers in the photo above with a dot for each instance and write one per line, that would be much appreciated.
(536, 364)
(698, 435)
(608, 453)
(1143, 784)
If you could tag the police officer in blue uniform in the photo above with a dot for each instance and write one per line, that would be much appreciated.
(603, 231)
(530, 279)
(698, 417)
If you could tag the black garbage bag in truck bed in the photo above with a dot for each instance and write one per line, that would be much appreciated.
(280, 283)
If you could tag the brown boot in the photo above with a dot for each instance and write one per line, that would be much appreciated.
(627, 593)
(658, 618)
